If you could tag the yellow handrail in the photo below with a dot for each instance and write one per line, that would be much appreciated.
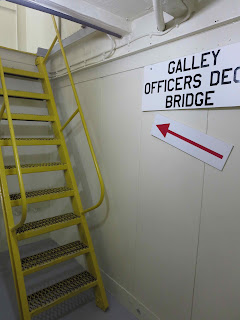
(15, 151)
(69, 119)
(79, 110)
(50, 49)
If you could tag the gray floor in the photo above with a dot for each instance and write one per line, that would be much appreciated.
(79, 307)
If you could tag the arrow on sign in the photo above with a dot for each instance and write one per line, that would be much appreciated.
(164, 129)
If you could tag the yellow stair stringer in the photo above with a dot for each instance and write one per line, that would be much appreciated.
(13, 245)
(93, 268)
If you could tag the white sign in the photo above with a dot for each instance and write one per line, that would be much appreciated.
(210, 79)
(191, 141)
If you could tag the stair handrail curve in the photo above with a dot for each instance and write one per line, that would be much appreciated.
(6, 106)
(78, 111)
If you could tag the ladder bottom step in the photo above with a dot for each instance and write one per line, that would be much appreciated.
(53, 256)
(49, 297)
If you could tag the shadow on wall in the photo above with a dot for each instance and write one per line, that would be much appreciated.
(80, 173)
(35, 282)
(72, 134)
(78, 149)
(104, 218)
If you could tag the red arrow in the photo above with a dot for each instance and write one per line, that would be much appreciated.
(164, 129)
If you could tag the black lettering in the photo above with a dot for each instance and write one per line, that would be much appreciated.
(173, 68)
(215, 56)
(198, 81)
(225, 76)
(204, 60)
(177, 99)
(189, 103)
(179, 66)
(187, 81)
(212, 83)
(160, 85)
(183, 100)
(207, 98)
(178, 83)
(147, 88)
(235, 75)
(199, 102)
(193, 61)
(184, 65)
(168, 101)
(170, 89)
(165, 85)
(153, 85)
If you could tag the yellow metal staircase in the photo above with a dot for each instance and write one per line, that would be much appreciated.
(40, 301)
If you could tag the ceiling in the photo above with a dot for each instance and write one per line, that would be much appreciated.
(110, 16)
(130, 9)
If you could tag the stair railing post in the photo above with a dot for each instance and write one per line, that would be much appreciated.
(83, 120)
(15, 151)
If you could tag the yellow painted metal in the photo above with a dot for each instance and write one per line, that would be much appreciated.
(22, 73)
(46, 229)
(2, 111)
(39, 267)
(101, 298)
(63, 152)
(29, 117)
(83, 121)
(26, 95)
(10, 250)
(68, 296)
(15, 151)
(28, 230)
(46, 197)
(37, 168)
(25, 52)
(30, 142)
(70, 119)
(50, 50)
(13, 245)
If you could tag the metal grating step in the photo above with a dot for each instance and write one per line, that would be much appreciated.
(36, 167)
(35, 228)
(42, 195)
(5, 142)
(50, 257)
(29, 117)
(48, 297)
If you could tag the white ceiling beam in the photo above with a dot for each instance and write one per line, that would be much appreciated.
(82, 12)
(96, 16)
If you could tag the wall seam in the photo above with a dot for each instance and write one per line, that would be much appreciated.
(198, 238)
(138, 208)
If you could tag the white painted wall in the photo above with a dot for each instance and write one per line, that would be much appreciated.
(24, 28)
(167, 234)
(8, 25)
(39, 30)
(68, 28)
